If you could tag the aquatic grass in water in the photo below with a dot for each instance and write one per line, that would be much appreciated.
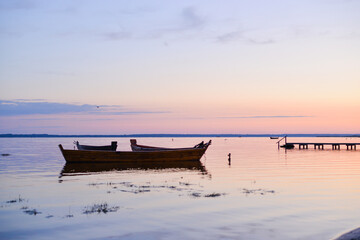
(19, 199)
(32, 212)
(69, 215)
(214, 195)
(211, 195)
(130, 187)
(257, 191)
(100, 208)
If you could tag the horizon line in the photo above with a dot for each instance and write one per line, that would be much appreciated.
(35, 135)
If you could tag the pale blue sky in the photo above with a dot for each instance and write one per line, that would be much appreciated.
(183, 60)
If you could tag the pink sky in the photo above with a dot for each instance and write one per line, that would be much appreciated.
(180, 67)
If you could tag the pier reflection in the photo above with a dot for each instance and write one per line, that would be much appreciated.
(74, 169)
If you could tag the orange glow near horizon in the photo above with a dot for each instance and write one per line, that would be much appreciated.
(345, 123)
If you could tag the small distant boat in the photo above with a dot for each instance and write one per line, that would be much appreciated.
(111, 147)
(143, 148)
(165, 155)
(274, 137)
(288, 146)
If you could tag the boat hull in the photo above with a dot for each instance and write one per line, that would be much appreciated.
(127, 156)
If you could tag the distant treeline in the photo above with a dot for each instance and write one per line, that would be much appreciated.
(170, 135)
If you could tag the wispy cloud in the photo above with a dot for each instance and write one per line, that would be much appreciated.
(189, 20)
(276, 116)
(13, 108)
(117, 35)
(242, 36)
(260, 41)
(230, 36)
(277, 34)
(39, 107)
(6, 5)
(25, 100)
(58, 73)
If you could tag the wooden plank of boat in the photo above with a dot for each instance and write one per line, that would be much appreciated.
(142, 148)
(193, 154)
(111, 147)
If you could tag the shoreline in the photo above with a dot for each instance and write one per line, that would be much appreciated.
(352, 235)
(10, 135)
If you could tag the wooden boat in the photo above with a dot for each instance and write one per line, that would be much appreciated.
(111, 147)
(191, 154)
(288, 146)
(142, 148)
(74, 169)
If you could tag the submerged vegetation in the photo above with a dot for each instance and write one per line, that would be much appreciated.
(19, 199)
(192, 190)
(211, 195)
(129, 187)
(257, 191)
(100, 208)
(31, 211)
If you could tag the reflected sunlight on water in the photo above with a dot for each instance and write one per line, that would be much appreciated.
(265, 193)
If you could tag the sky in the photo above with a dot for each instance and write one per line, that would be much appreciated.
(232, 67)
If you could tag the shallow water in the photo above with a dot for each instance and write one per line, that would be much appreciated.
(265, 193)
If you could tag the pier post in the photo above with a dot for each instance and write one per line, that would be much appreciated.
(303, 146)
(336, 146)
(350, 146)
(319, 145)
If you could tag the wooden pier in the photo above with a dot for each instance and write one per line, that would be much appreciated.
(334, 146)
(317, 145)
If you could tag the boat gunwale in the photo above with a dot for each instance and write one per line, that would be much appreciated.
(111, 147)
(146, 148)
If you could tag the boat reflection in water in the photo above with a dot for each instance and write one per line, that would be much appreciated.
(74, 169)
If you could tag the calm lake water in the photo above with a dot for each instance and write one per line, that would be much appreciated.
(265, 193)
